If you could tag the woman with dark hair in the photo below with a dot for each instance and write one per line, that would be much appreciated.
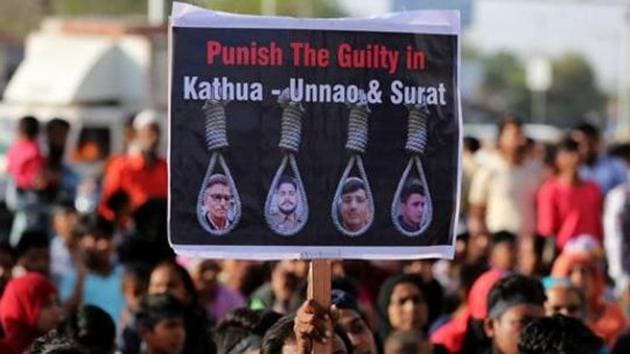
(91, 327)
(28, 309)
(171, 278)
(402, 305)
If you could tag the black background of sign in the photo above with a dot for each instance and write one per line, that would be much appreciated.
(254, 133)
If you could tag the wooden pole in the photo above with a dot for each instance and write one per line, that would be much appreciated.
(319, 283)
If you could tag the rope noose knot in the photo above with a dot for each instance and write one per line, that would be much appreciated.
(291, 125)
(216, 130)
(358, 125)
(417, 128)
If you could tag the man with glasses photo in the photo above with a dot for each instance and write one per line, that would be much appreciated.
(217, 201)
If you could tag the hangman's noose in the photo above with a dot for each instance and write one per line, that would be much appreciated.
(216, 141)
(415, 146)
(356, 144)
(291, 135)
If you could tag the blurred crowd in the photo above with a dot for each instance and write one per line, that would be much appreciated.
(541, 262)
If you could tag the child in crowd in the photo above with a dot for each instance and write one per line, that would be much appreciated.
(503, 251)
(63, 244)
(25, 161)
(25, 166)
(161, 323)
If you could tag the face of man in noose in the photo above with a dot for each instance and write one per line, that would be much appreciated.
(217, 201)
(413, 209)
(287, 198)
(354, 209)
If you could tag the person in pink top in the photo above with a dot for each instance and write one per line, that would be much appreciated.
(567, 205)
(25, 161)
(25, 166)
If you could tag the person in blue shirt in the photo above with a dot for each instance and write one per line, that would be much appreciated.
(97, 278)
(603, 169)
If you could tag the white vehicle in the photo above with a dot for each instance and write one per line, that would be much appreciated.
(93, 73)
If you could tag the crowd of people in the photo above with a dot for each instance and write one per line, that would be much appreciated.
(539, 264)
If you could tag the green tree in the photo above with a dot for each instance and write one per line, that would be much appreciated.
(574, 93)
(301, 8)
(98, 7)
(18, 17)
(503, 86)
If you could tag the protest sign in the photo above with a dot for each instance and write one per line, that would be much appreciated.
(313, 138)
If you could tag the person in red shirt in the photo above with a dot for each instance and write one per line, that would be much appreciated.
(142, 173)
(24, 158)
(463, 328)
(567, 205)
(25, 166)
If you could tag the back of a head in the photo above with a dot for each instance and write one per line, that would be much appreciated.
(403, 342)
(266, 319)
(242, 330)
(558, 335)
(228, 338)
(241, 317)
(471, 144)
(91, 327)
(513, 289)
(155, 308)
(233, 328)
(29, 127)
(278, 335)
(31, 239)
